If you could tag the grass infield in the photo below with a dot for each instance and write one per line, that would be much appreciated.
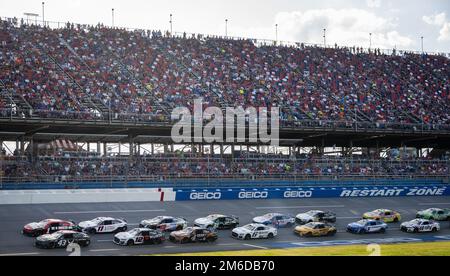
(406, 249)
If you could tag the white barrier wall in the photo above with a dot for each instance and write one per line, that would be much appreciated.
(85, 196)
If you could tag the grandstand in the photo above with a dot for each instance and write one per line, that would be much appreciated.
(70, 92)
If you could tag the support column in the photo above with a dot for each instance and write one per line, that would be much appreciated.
(105, 149)
(98, 148)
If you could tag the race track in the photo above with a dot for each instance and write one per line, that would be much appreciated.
(13, 217)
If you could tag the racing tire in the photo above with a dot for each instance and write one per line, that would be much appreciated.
(383, 231)
(395, 220)
(416, 230)
(130, 243)
(332, 233)
(220, 226)
(185, 240)
(210, 240)
(157, 241)
(361, 231)
(85, 244)
(434, 230)
(270, 236)
(92, 231)
(179, 228)
(247, 237)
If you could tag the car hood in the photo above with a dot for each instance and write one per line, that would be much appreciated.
(45, 238)
(123, 236)
(203, 221)
(261, 219)
(355, 225)
(304, 217)
(371, 214)
(34, 226)
(151, 222)
(408, 224)
(87, 224)
(241, 230)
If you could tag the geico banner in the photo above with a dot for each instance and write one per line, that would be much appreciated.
(310, 192)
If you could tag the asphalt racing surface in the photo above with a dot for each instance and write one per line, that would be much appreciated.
(14, 217)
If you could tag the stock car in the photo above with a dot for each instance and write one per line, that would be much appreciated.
(384, 215)
(275, 219)
(315, 229)
(103, 225)
(193, 234)
(367, 226)
(164, 224)
(62, 239)
(139, 236)
(217, 222)
(48, 226)
(420, 226)
(254, 231)
(315, 216)
(434, 214)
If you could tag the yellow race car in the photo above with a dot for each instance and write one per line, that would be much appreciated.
(315, 229)
(383, 215)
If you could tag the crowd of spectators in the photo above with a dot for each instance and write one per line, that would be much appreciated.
(163, 166)
(88, 71)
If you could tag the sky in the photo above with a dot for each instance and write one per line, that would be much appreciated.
(393, 23)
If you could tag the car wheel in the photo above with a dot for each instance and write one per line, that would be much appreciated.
(185, 240)
(210, 240)
(86, 243)
(361, 231)
(124, 229)
(332, 233)
(382, 231)
(92, 231)
(130, 243)
(395, 220)
(157, 241)
(248, 237)
(270, 236)
(220, 226)
(416, 230)
(434, 230)
(179, 228)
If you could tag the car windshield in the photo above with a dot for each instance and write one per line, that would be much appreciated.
(133, 232)
(362, 222)
(55, 236)
(310, 225)
(213, 217)
(313, 213)
(416, 221)
(269, 216)
(249, 227)
(43, 222)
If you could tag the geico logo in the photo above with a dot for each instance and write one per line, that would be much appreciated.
(205, 196)
(253, 195)
(297, 194)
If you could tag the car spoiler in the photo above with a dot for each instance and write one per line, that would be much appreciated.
(235, 217)
(124, 220)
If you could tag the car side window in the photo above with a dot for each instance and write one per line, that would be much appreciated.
(145, 233)
(68, 236)
(260, 229)
(387, 214)
(107, 222)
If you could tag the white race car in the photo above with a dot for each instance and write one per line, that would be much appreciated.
(103, 225)
(139, 236)
(420, 226)
(164, 224)
(219, 222)
(254, 231)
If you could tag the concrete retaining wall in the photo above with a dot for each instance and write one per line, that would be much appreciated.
(85, 196)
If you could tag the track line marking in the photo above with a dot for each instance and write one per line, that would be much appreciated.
(105, 240)
(103, 250)
(356, 213)
(255, 246)
(302, 207)
(431, 204)
(20, 254)
(348, 217)
(116, 211)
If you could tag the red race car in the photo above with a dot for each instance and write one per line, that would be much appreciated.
(48, 226)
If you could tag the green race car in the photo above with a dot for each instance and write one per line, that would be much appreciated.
(434, 214)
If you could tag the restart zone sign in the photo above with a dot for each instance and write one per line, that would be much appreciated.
(310, 192)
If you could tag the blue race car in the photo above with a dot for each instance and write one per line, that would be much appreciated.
(366, 226)
(276, 220)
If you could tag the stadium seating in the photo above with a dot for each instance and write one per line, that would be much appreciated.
(96, 72)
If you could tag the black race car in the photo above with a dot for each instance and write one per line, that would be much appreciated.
(62, 239)
(219, 222)
(193, 234)
(315, 216)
